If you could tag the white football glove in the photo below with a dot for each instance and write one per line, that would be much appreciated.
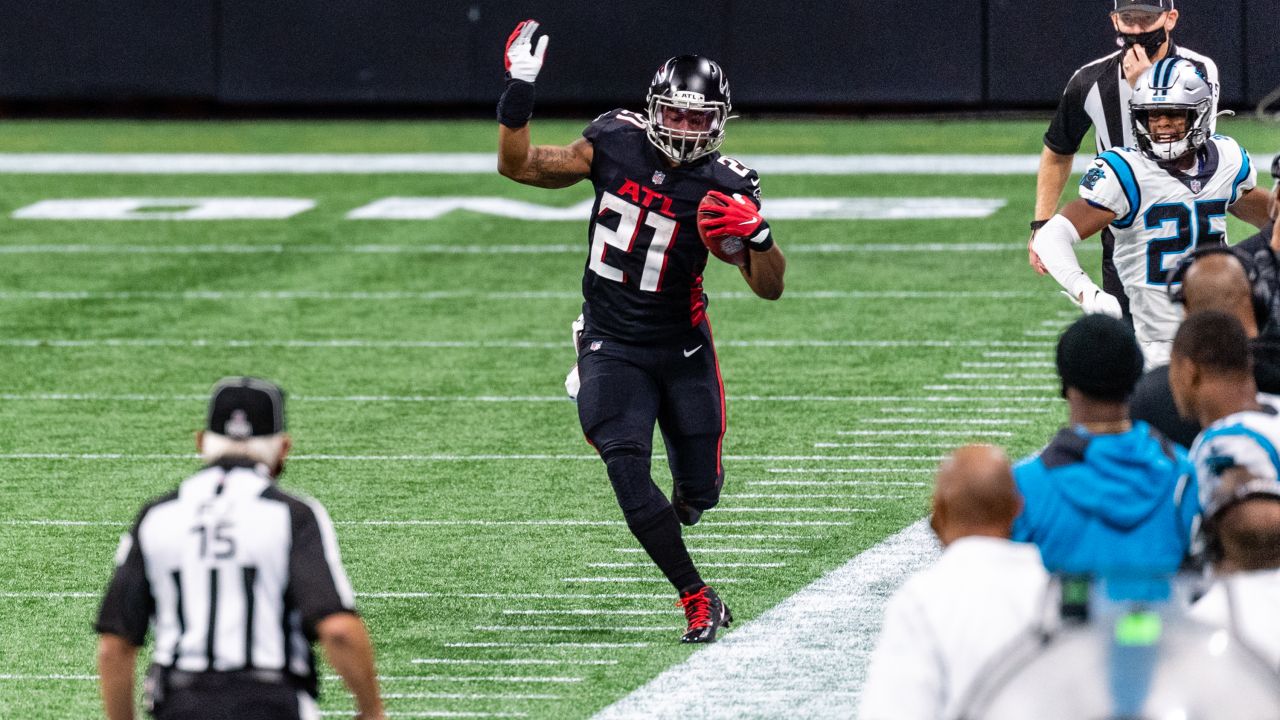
(1095, 301)
(523, 60)
(571, 381)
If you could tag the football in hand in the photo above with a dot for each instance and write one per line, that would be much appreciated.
(728, 248)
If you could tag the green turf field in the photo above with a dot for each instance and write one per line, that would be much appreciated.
(437, 433)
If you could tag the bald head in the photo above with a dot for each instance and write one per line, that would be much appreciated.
(1218, 281)
(975, 494)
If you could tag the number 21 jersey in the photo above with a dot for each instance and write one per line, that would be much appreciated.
(643, 277)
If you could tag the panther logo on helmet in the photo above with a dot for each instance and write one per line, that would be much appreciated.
(1173, 88)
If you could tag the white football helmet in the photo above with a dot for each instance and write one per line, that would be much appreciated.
(1172, 85)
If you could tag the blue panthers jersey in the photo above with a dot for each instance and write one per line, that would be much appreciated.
(643, 277)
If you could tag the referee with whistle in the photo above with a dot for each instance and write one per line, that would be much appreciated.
(238, 579)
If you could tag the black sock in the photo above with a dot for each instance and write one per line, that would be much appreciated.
(660, 537)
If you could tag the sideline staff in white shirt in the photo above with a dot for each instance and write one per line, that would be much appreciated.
(238, 578)
(946, 622)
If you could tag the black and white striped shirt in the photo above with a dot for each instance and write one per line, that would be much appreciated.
(233, 572)
(1098, 95)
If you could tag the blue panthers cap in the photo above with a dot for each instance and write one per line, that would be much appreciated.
(1153, 6)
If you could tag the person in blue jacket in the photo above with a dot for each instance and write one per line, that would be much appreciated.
(1106, 496)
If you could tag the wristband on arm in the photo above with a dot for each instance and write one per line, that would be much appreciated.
(515, 107)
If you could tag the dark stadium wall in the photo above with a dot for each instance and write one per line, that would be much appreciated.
(804, 54)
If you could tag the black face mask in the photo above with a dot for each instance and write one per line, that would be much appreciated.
(1150, 41)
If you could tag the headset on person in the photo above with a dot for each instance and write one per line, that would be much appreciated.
(1258, 291)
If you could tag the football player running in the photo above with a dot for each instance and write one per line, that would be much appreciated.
(645, 353)
(1162, 201)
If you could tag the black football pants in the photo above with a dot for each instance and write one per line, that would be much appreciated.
(626, 390)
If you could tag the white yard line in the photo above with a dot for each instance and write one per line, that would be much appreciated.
(368, 343)
(804, 658)
(724, 551)
(463, 249)
(619, 565)
(802, 510)
(520, 679)
(46, 678)
(835, 483)
(588, 611)
(944, 421)
(645, 579)
(901, 445)
(444, 295)
(511, 661)
(150, 397)
(988, 388)
(999, 376)
(997, 364)
(56, 522)
(482, 163)
(982, 410)
(928, 433)
(810, 496)
(586, 645)
(429, 714)
(468, 696)
(575, 628)
(451, 457)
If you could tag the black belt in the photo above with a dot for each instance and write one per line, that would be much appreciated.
(184, 680)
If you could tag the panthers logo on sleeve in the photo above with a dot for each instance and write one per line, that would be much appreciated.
(1096, 173)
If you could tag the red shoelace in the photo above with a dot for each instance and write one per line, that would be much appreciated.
(697, 608)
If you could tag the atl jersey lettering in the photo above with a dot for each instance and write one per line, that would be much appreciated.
(643, 279)
(1161, 216)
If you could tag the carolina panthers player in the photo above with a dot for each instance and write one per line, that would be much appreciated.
(645, 353)
(1161, 200)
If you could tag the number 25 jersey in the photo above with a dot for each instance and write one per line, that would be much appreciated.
(643, 278)
(1161, 216)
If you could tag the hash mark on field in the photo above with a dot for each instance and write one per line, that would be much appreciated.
(511, 661)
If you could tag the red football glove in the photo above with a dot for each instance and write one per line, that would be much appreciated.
(721, 215)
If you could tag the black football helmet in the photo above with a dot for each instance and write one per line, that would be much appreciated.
(688, 107)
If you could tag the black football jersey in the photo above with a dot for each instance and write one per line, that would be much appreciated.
(643, 278)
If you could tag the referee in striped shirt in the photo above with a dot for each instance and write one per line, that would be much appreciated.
(1098, 95)
(238, 578)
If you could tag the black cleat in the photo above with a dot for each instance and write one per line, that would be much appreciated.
(706, 613)
(685, 513)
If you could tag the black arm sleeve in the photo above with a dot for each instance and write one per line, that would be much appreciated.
(313, 580)
(128, 604)
(1071, 123)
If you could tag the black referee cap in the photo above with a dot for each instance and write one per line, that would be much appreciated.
(1275, 167)
(1099, 356)
(1155, 6)
(245, 407)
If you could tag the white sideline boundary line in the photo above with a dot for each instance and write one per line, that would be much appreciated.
(771, 667)
(482, 163)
